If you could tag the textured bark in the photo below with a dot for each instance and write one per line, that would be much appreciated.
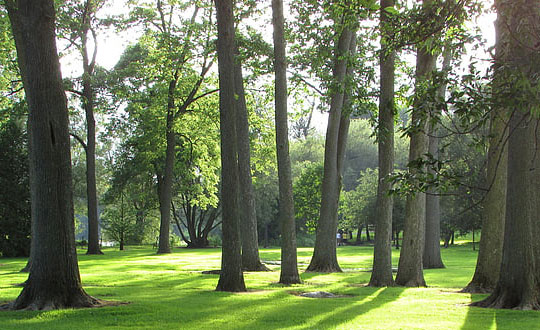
(432, 246)
(248, 227)
(518, 286)
(54, 280)
(231, 277)
(382, 254)
(324, 254)
(289, 265)
(488, 263)
(410, 266)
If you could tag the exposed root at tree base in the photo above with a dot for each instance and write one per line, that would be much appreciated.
(477, 288)
(506, 300)
(260, 267)
(47, 305)
(323, 269)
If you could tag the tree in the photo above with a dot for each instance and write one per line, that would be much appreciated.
(118, 224)
(410, 259)
(382, 253)
(81, 22)
(248, 231)
(231, 277)
(289, 265)
(515, 85)
(324, 254)
(14, 191)
(487, 269)
(171, 65)
(54, 280)
(432, 244)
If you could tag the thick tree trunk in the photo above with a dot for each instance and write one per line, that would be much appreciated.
(231, 277)
(324, 254)
(289, 265)
(382, 254)
(488, 263)
(410, 266)
(518, 286)
(248, 228)
(54, 280)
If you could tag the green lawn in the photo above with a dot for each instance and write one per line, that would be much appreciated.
(169, 292)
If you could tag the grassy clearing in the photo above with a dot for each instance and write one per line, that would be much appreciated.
(169, 292)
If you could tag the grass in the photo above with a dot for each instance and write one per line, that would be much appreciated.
(169, 292)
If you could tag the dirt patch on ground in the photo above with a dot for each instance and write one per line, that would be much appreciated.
(318, 294)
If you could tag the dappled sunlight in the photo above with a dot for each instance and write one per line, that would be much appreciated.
(170, 292)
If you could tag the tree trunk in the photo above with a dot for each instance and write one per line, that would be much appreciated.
(165, 185)
(289, 265)
(410, 266)
(324, 254)
(359, 234)
(248, 228)
(382, 254)
(54, 280)
(488, 263)
(91, 190)
(432, 245)
(518, 286)
(231, 277)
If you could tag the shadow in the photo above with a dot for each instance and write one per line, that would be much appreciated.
(478, 318)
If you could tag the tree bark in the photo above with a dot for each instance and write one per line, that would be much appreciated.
(231, 277)
(518, 286)
(410, 266)
(54, 280)
(289, 265)
(248, 229)
(382, 254)
(324, 254)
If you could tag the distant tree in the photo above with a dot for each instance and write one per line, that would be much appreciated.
(14, 191)
(307, 196)
(54, 280)
(118, 222)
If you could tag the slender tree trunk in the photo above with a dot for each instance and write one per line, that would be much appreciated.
(165, 186)
(432, 247)
(382, 254)
(518, 286)
(231, 277)
(289, 266)
(248, 228)
(410, 266)
(54, 280)
(324, 254)
(91, 190)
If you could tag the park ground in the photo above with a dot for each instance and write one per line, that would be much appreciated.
(170, 292)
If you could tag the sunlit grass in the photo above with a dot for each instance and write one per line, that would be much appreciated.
(170, 292)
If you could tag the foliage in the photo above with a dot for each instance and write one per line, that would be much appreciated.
(14, 190)
(118, 222)
(307, 196)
